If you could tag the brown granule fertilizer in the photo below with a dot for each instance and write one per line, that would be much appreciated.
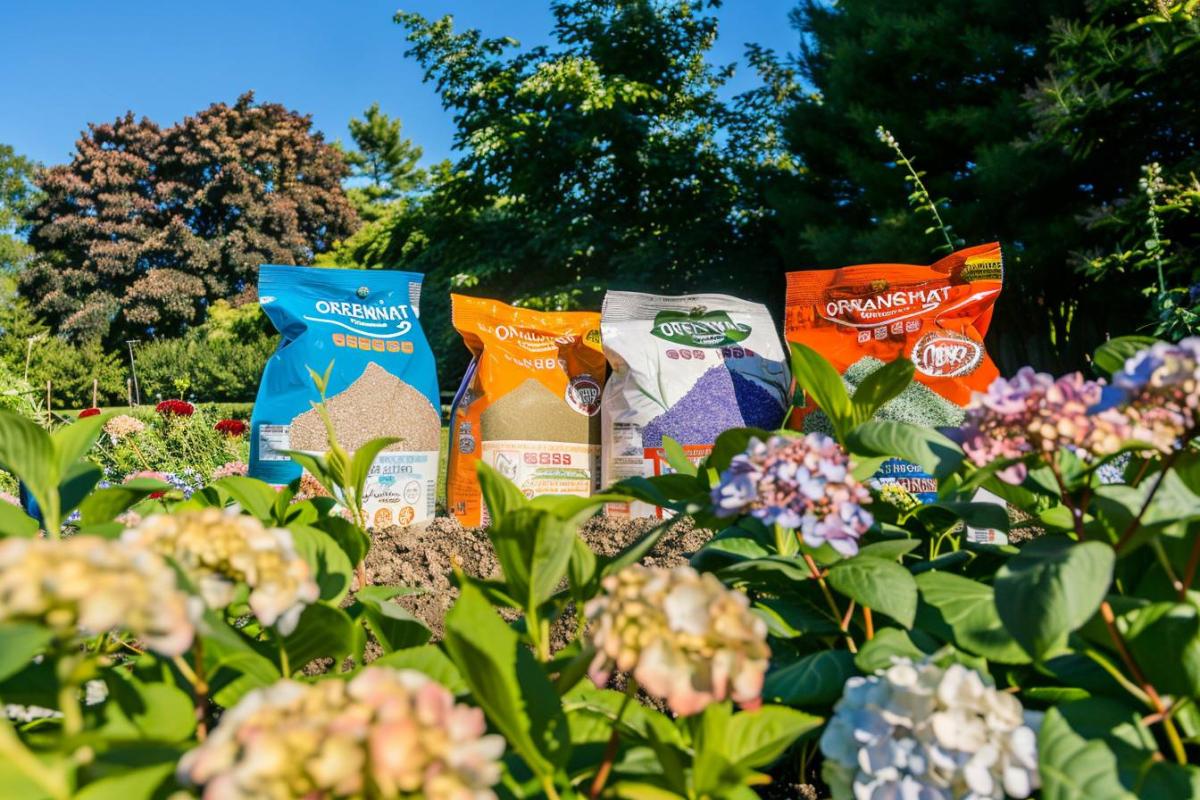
(533, 413)
(376, 405)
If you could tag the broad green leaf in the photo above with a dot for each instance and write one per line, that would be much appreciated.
(582, 570)
(880, 387)
(323, 632)
(507, 683)
(1177, 781)
(1100, 749)
(19, 643)
(1051, 589)
(130, 785)
(925, 447)
(78, 480)
(729, 444)
(976, 515)
(256, 497)
(884, 586)
(1165, 640)
(28, 452)
(533, 548)
(1111, 356)
(139, 710)
(756, 739)
(104, 505)
(815, 680)
(353, 540)
(821, 381)
(499, 493)
(675, 456)
(890, 549)
(362, 461)
(964, 612)
(890, 643)
(393, 625)
(428, 660)
(15, 522)
(330, 566)
(640, 723)
(796, 616)
(73, 440)
(233, 666)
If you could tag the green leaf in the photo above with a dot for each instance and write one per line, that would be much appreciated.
(758, 738)
(796, 616)
(363, 459)
(499, 493)
(19, 643)
(353, 540)
(925, 447)
(582, 570)
(1110, 357)
(815, 680)
(884, 586)
(889, 643)
(330, 566)
(323, 632)
(135, 783)
(77, 482)
(104, 505)
(976, 515)
(393, 625)
(256, 497)
(507, 683)
(890, 549)
(1051, 589)
(964, 612)
(729, 444)
(28, 452)
(821, 381)
(533, 548)
(676, 458)
(880, 387)
(1165, 640)
(15, 522)
(232, 664)
(139, 710)
(430, 661)
(1092, 749)
(74, 440)
(1177, 781)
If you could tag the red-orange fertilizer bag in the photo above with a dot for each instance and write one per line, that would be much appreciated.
(861, 316)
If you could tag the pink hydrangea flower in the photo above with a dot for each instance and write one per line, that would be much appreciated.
(230, 469)
(1162, 386)
(803, 483)
(1035, 414)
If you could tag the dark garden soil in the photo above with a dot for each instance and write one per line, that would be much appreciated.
(423, 558)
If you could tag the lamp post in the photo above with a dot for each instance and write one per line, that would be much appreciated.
(137, 394)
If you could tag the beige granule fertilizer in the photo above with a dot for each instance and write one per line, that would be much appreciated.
(533, 413)
(377, 404)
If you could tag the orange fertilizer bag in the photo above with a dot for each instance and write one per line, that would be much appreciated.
(936, 316)
(529, 404)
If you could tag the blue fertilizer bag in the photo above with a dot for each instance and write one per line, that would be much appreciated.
(382, 382)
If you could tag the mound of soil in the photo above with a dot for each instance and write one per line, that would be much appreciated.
(422, 558)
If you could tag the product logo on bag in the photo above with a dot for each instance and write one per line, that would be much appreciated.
(699, 327)
(583, 394)
(946, 354)
(883, 305)
(369, 320)
(531, 339)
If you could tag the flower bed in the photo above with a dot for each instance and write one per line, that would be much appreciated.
(832, 632)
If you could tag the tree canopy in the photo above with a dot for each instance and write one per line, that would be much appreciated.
(146, 226)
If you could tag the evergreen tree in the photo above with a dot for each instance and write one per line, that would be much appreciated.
(16, 197)
(384, 158)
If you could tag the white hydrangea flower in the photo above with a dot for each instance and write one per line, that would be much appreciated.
(385, 733)
(222, 549)
(921, 732)
(94, 585)
(684, 637)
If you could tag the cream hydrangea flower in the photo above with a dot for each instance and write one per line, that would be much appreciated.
(395, 731)
(122, 426)
(921, 731)
(222, 549)
(94, 585)
(683, 636)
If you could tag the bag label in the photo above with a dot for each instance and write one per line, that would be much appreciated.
(699, 327)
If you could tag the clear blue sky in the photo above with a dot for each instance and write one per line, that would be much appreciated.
(70, 63)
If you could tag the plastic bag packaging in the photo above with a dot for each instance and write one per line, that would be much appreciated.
(363, 326)
(688, 368)
(862, 317)
(529, 405)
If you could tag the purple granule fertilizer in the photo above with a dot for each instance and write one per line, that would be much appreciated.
(720, 400)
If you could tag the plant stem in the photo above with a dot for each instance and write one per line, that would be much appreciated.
(870, 621)
(614, 739)
(195, 676)
(1189, 572)
(785, 541)
(833, 606)
(284, 666)
(68, 704)
(548, 788)
(13, 751)
(1137, 521)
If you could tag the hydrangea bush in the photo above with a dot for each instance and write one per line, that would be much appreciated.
(836, 632)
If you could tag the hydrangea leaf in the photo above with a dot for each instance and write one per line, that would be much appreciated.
(879, 584)
(28, 452)
(103, 505)
(1111, 356)
(322, 632)
(758, 738)
(394, 626)
(963, 611)
(815, 680)
(925, 447)
(139, 782)
(1165, 640)
(1178, 781)
(254, 496)
(149, 711)
(19, 643)
(15, 522)
(1093, 749)
(816, 376)
(1051, 589)
(890, 643)
(330, 566)
(881, 386)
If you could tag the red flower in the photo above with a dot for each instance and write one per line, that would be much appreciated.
(231, 427)
(89, 412)
(175, 408)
